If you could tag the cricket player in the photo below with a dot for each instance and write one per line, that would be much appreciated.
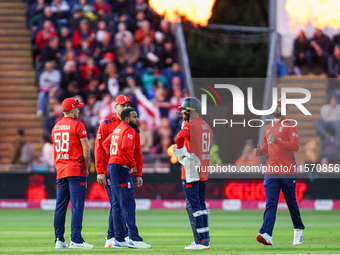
(193, 152)
(124, 148)
(102, 158)
(72, 160)
(280, 140)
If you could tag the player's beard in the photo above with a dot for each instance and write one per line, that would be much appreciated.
(135, 127)
(277, 115)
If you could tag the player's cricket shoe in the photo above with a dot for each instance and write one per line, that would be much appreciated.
(109, 242)
(60, 245)
(119, 245)
(83, 245)
(138, 245)
(297, 237)
(195, 246)
(264, 238)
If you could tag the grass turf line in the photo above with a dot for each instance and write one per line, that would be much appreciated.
(31, 232)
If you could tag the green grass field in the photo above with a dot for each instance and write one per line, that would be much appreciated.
(31, 232)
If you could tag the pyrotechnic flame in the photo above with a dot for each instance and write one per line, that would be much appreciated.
(319, 13)
(196, 11)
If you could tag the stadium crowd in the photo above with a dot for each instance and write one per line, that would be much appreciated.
(94, 50)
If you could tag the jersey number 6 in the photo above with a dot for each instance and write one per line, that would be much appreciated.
(205, 142)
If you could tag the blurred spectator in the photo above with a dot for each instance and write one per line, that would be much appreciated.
(43, 36)
(85, 52)
(101, 9)
(330, 150)
(85, 7)
(162, 148)
(176, 83)
(175, 102)
(149, 56)
(140, 17)
(93, 89)
(334, 63)
(174, 71)
(119, 6)
(84, 32)
(61, 9)
(161, 102)
(150, 78)
(54, 115)
(336, 39)
(146, 138)
(50, 52)
(18, 144)
(35, 8)
(142, 6)
(104, 51)
(301, 46)
(169, 55)
(102, 31)
(128, 54)
(47, 152)
(247, 158)
(143, 31)
(164, 29)
(121, 34)
(88, 72)
(69, 74)
(64, 36)
(330, 120)
(104, 108)
(37, 22)
(71, 91)
(129, 71)
(164, 130)
(68, 46)
(49, 78)
(77, 17)
(112, 79)
(320, 46)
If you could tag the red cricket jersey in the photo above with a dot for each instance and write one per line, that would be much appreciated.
(123, 145)
(104, 130)
(281, 152)
(196, 135)
(68, 151)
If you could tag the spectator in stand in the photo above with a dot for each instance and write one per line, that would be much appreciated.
(102, 31)
(121, 34)
(146, 138)
(142, 6)
(69, 56)
(160, 101)
(49, 78)
(164, 130)
(129, 53)
(336, 39)
(164, 28)
(106, 109)
(43, 36)
(18, 144)
(129, 71)
(60, 9)
(85, 52)
(301, 46)
(54, 115)
(150, 78)
(330, 122)
(83, 33)
(112, 79)
(71, 91)
(64, 36)
(87, 111)
(47, 152)
(67, 47)
(334, 63)
(320, 47)
(37, 22)
(169, 55)
(108, 58)
(77, 17)
(149, 56)
(83, 5)
(50, 52)
(119, 6)
(102, 9)
(176, 83)
(175, 102)
(36, 8)
(69, 74)
(139, 18)
(88, 72)
(330, 149)
(174, 71)
(143, 31)
(247, 158)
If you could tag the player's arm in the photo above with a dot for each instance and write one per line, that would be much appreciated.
(259, 151)
(86, 152)
(99, 154)
(128, 142)
(138, 156)
(183, 134)
(293, 143)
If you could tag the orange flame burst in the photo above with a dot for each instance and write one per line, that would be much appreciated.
(319, 13)
(196, 11)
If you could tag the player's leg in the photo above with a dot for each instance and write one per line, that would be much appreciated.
(117, 212)
(63, 198)
(193, 221)
(272, 190)
(204, 211)
(288, 190)
(77, 193)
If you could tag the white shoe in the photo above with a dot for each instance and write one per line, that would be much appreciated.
(127, 239)
(265, 239)
(60, 245)
(297, 237)
(119, 244)
(109, 242)
(194, 246)
(83, 245)
(138, 245)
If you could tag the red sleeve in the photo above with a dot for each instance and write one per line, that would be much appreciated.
(76, 39)
(264, 148)
(293, 143)
(138, 156)
(128, 143)
(81, 130)
(182, 135)
(96, 71)
(107, 143)
(139, 36)
(38, 39)
(99, 151)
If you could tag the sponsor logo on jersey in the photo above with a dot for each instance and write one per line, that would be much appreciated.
(204, 126)
(99, 136)
(116, 131)
(84, 132)
(294, 134)
(267, 131)
(130, 136)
